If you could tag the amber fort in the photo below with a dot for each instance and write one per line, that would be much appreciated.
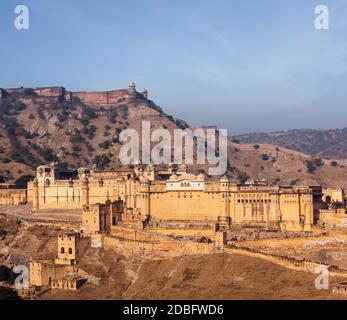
(164, 212)
(153, 195)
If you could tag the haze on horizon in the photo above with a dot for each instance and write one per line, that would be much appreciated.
(242, 65)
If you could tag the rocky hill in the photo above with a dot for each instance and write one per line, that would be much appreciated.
(41, 125)
(38, 126)
(320, 143)
(278, 165)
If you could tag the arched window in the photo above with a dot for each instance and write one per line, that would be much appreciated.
(70, 250)
(62, 250)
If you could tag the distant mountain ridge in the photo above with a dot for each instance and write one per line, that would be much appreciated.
(331, 143)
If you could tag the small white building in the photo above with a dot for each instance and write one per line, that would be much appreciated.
(186, 182)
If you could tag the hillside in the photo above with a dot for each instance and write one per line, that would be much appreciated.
(38, 126)
(74, 129)
(283, 166)
(115, 277)
(219, 277)
(320, 143)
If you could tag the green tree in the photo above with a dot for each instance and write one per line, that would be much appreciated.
(265, 157)
(243, 177)
(333, 163)
(102, 161)
(22, 181)
(310, 166)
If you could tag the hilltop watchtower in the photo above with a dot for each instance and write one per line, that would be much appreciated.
(71, 246)
(132, 90)
(145, 93)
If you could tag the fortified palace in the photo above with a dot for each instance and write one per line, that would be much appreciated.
(153, 195)
(167, 196)
(155, 213)
(158, 212)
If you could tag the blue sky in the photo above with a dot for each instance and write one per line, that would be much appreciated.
(244, 65)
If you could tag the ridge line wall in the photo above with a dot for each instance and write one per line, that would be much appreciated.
(156, 249)
(288, 262)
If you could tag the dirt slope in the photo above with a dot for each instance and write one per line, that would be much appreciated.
(324, 143)
(221, 277)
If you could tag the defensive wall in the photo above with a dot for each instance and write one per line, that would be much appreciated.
(292, 242)
(102, 98)
(149, 245)
(13, 196)
(287, 262)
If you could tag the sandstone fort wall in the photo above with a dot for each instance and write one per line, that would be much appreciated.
(287, 262)
(13, 196)
(156, 249)
(102, 98)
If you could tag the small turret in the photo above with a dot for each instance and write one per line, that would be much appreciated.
(170, 167)
(145, 93)
(138, 168)
(224, 219)
(182, 169)
(45, 175)
(132, 90)
(151, 171)
(83, 173)
(224, 179)
(224, 183)
(144, 199)
(35, 182)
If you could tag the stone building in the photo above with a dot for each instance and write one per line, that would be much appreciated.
(333, 195)
(60, 273)
(42, 273)
(340, 288)
(168, 195)
(70, 247)
(132, 90)
(98, 218)
(71, 282)
(9, 196)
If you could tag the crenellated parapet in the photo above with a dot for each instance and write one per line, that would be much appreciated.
(95, 98)
(102, 98)
(53, 92)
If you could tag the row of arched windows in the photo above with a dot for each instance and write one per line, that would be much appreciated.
(185, 184)
(253, 201)
(62, 250)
